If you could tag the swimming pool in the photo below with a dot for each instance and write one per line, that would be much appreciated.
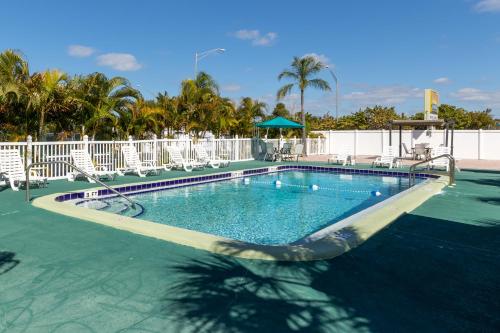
(285, 212)
(276, 208)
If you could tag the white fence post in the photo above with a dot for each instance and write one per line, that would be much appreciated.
(29, 150)
(86, 143)
(212, 144)
(155, 150)
(237, 148)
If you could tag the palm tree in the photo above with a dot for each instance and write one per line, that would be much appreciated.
(246, 114)
(48, 88)
(100, 99)
(14, 92)
(302, 72)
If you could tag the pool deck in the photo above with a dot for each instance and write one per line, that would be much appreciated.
(436, 269)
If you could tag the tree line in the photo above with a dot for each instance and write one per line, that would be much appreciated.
(53, 102)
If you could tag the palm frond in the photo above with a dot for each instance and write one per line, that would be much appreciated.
(285, 90)
(319, 84)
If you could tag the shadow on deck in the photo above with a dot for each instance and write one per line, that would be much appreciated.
(419, 274)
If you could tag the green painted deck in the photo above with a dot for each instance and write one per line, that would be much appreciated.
(436, 269)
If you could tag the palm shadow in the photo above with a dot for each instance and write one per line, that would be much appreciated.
(223, 294)
(419, 274)
(7, 261)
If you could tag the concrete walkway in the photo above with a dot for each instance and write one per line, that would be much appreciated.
(435, 269)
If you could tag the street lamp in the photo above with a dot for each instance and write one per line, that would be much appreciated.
(201, 55)
(336, 92)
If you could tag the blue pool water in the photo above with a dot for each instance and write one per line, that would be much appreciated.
(262, 213)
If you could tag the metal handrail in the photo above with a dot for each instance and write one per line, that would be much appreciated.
(86, 174)
(451, 172)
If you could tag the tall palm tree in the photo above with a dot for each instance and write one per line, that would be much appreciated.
(302, 71)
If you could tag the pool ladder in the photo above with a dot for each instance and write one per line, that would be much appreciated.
(77, 169)
(451, 169)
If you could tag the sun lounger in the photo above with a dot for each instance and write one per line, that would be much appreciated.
(82, 160)
(135, 165)
(440, 163)
(344, 157)
(202, 157)
(178, 162)
(387, 158)
(13, 172)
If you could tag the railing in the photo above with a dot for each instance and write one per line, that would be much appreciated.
(77, 169)
(451, 171)
(108, 153)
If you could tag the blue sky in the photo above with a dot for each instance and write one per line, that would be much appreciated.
(384, 52)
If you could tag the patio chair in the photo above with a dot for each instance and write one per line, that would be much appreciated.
(270, 152)
(420, 150)
(81, 159)
(387, 158)
(407, 151)
(344, 157)
(202, 157)
(297, 151)
(286, 151)
(13, 171)
(440, 162)
(135, 165)
(178, 162)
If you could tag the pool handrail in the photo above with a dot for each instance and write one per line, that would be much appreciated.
(77, 169)
(451, 171)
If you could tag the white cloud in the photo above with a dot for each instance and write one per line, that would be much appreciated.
(388, 95)
(247, 34)
(442, 80)
(256, 37)
(80, 51)
(484, 6)
(231, 88)
(319, 57)
(119, 61)
(492, 98)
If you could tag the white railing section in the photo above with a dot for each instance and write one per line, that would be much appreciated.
(108, 153)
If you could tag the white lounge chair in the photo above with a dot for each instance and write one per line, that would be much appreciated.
(135, 165)
(202, 157)
(344, 157)
(13, 171)
(177, 161)
(82, 160)
(387, 158)
(297, 151)
(440, 162)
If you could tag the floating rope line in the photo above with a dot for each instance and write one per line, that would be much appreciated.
(333, 189)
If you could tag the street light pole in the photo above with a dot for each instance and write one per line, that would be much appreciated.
(201, 55)
(336, 92)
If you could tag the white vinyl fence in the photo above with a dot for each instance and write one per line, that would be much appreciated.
(108, 153)
(467, 144)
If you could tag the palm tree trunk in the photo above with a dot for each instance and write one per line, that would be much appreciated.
(41, 125)
(303, 116)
